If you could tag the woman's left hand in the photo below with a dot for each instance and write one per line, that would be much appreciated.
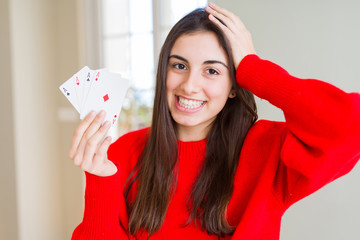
(234, 29)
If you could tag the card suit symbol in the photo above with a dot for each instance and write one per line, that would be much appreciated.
(66, 91)
(106, 97)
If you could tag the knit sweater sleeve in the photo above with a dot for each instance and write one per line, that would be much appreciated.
(105, 215)
(322, 137)
(101, 213)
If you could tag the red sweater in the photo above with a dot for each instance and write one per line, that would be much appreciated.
(280, 162)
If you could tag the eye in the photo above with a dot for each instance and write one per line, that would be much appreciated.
(179, 66)
(212, 71)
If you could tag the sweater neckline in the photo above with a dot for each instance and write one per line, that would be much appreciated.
(192, 142)
(191, 148)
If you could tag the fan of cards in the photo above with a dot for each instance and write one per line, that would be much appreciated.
(96, 90)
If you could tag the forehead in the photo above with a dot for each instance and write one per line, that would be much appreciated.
(199, 47)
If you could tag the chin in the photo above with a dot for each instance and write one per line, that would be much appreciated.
(186, 122)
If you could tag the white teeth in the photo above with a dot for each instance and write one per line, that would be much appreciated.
(190, 104)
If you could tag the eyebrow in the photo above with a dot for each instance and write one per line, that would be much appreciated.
(206, 62)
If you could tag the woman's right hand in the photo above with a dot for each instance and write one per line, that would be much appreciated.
(87, 149)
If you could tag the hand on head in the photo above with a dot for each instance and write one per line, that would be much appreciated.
(239, 37)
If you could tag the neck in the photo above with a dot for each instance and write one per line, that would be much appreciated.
(189, 134)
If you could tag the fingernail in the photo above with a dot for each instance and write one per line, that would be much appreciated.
(106, 124)
(92, 113)
(101, 113)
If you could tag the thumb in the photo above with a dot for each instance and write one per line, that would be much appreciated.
(108, 169)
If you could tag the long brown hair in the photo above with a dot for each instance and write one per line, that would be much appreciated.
(155, 172)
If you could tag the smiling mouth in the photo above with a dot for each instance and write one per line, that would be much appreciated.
(189, 104)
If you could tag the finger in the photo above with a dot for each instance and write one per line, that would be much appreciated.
(222, 18)
(94, 126)
(92, 146)
(79, 132)
(233, 17)
(217, 22)
(101, 153)
(221, 10)
(103, 167)
(108, 169)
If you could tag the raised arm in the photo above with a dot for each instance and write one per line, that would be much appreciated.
(322, 141)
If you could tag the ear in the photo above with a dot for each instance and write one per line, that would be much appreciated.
(232, 94)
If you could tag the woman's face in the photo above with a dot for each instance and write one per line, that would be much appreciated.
(198, 83)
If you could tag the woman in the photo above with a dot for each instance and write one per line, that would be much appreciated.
(204, 170)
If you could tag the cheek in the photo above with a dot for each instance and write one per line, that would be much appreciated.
(172, 82)
(170, 86)
(169, 82)
(219, 90)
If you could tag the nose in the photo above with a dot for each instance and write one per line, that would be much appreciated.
(191, 83)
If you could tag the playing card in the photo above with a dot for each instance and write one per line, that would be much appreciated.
(80, 79)
(68, 89)
(86, 86)
(107, 93)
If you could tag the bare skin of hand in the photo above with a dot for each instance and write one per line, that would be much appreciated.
(239, 37)
(87, 149)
